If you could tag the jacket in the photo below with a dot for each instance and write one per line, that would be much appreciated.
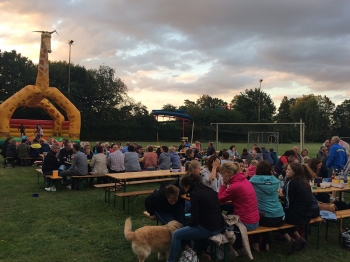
(50, 162)
(274, 157)
(175, 160)
(131, 162)
(11, 150)
(150, 159)
(298, 209)
(205, 208)
(35, 150)
(266, 156)
(164, 161)
(158, 202)
(251, 171)
(337, 157)
(23, 150)
(98, 164)
(266, 188)
(243, 197)
(63, 154)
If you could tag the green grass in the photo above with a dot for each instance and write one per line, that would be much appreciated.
(72, 225)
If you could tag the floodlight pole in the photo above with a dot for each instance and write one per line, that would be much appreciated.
(259, 101)
(70, 42)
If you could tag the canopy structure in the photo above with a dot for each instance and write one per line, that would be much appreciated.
(177, 115)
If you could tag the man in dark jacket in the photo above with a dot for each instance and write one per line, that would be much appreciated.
(23, 151)
(165, 204)
(64, 154)
(50, 163)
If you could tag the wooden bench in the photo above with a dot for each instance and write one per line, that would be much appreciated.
(37, 160)
(57, 181)
(339, 215)
(108, 186)
(81, 179)
(132, 196)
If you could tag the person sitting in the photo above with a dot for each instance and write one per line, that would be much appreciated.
(45, 146)
(23, 151)
(233, 152)
(11, 151)
(252, 169)
(241, 192)
(283, 160)
(206, 218)
(131, 160)
(164, 159)
(50, 163)
(165, 204)
(150, 159)
(225, 157)
(271, 211)
(126, 148)
(298, 207)
(35, 149)
(257, 154)
(246, 155)
(98, 165)
(94, 148)
(139, 151)
(79, 166)
(175, 160)
(211, 150)
(190, 155)
(115, 161)
(273, 155)
(266, 155)
(65, 153)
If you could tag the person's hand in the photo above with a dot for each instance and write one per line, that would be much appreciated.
(216, 164)
(153, 217)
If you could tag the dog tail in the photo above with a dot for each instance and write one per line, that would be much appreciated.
(127, 230)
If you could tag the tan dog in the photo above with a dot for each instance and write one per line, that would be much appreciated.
(149, 239)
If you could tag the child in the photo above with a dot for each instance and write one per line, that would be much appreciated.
(251, 169)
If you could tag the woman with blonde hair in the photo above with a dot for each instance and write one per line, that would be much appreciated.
(239, 190)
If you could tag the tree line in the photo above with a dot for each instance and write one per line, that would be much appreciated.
(109, 113)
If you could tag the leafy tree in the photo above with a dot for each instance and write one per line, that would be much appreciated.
(341, 119)
(283, 115)
(16, 72)
(169, 107)
(207, 102)
(247, 104)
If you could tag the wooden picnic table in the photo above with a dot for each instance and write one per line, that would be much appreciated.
(127, 176)
(332, 189)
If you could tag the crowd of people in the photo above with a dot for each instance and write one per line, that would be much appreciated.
(246, 185)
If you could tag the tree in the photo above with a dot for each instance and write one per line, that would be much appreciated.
(16, 72)
(283, 115)
(207, 102)
(341, 119)
(247, 104)
(169, 107)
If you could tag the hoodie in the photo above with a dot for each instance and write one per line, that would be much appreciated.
(243, 197)
(175, 160)
(164, 161)
(267, 157)
(266, 188)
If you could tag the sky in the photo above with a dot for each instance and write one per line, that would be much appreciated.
(167, 51)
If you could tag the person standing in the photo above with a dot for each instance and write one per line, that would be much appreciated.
(22, 129)
(337, 157)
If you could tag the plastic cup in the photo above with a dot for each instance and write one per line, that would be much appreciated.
(55, 173)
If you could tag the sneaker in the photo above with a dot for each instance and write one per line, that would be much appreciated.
(302, 243)
(69, 187)
(50, 189)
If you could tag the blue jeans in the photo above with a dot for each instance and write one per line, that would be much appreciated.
(251, 227)
(187, 233)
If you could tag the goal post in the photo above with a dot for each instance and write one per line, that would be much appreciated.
(301, 129)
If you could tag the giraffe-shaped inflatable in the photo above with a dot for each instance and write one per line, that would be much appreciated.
(36, 96)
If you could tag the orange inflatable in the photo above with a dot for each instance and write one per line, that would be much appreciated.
(36, 96)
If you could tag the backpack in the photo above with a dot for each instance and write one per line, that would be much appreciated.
(188, 256)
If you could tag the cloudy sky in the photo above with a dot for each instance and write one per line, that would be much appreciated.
(167, 51)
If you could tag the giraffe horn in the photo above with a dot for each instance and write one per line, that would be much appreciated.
(39, 31)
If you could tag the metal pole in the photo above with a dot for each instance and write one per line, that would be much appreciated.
(301, 134)
(217, 136)
(70, 42)
(259, 100)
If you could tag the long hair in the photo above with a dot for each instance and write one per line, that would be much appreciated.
(299, 173)
(313, 163)
(190, 180)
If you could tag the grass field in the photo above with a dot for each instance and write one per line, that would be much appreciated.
(72, 225)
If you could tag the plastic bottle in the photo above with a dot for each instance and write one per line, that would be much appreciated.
(346, 178)
(214, 184)
(341, 177)
(281, 179)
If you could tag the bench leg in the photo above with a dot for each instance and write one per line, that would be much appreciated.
(326, 230)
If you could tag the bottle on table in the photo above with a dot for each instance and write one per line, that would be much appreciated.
(281, 179)
(341, 177)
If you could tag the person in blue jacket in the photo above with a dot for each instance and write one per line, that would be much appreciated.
(337, 157)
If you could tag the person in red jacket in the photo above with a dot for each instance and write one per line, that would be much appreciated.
(239, 190)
